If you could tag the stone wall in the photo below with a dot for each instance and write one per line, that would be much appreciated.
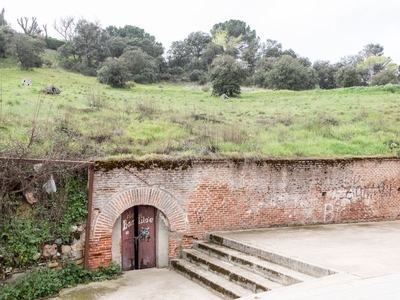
(200, 196)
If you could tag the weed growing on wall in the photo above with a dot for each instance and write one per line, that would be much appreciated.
(26, 227)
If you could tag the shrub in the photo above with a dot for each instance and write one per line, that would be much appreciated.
(384, 77)
(44, 282)
(113, 73)
(291, 74)
(53, 44)
(196, 75)
(227, 75)
(347, 76)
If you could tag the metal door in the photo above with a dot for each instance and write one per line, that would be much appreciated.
(146, 237)
(138, 238)
(127, 237)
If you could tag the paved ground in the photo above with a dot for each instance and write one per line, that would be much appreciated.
(366, 257)
(155, 284)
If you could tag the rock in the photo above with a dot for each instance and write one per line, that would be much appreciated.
(224, 96)
(30, 197)
(58, 241)
(37, 167)
(50, 250)
(36, 256)
(53, 264)
(81, 227)
(51, 89)
(79, 261)
(73, 228)
(26, 82)
(83, 236)
(77, 246)
(65, 249)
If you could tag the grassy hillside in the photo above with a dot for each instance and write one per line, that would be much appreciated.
(92, 120)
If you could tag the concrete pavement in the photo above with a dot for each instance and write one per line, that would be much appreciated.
(157, 284)
(366, 257)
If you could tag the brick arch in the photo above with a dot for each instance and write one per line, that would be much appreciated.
(105, 219)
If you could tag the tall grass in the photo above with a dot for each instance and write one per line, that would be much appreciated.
(184, 120)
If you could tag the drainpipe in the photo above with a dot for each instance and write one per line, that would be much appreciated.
(89, 216)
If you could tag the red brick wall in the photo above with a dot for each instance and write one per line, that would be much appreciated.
(224, 195)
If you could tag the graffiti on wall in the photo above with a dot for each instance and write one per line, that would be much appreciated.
(367, 197)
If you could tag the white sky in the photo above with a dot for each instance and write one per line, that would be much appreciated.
(317, 29)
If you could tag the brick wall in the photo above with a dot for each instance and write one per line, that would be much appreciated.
(204, 196)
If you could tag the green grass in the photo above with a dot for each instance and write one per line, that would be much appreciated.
(94, 120)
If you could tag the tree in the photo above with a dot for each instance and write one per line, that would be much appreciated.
(227, 74)
(372, 50)
(196, 43)
(140, 65)
(32, 29)
(2, 19)
(271, 48)
(326, 74)
(212, 51)
(238, 40)
(87, 49)
(347, 76)
(153, 49)
(90, 42)
(6, 36)
(178, 55)
(384, 77)
(349, 60)
(138, 37)
(113, 73)
(65, 27)
(117, 45)
(291, 74)
(28, 50)
(265, 64)
(376, 64)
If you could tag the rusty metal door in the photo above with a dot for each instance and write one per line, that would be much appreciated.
(146, 237)
(138, 238)
(127, 237)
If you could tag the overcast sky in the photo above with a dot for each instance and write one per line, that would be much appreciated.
(317, 29)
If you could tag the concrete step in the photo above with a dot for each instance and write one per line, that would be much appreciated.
(217, 284)
(234, 273)
(271, 271)
(290, 263)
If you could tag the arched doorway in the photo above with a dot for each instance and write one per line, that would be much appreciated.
(105, 234)
(138, 238)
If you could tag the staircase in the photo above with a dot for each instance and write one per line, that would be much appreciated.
(233, 270)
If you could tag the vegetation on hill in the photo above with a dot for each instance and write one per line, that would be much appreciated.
(124, 95)
(89, 120)
(228, 57)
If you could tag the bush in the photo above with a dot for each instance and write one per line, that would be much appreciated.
(53, 44)
(145, 76)
(196, 75)
(227, 75)
(347, 76)
(291, 74)
(384, 77)
(43, 282)
(113, 73)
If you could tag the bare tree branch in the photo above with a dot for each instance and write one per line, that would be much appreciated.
(65, 27)
(33, 29)
(45, 30)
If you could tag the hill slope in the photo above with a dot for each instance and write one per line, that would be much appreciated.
(90, 120)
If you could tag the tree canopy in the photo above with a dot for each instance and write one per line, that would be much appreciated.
(228, 56)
